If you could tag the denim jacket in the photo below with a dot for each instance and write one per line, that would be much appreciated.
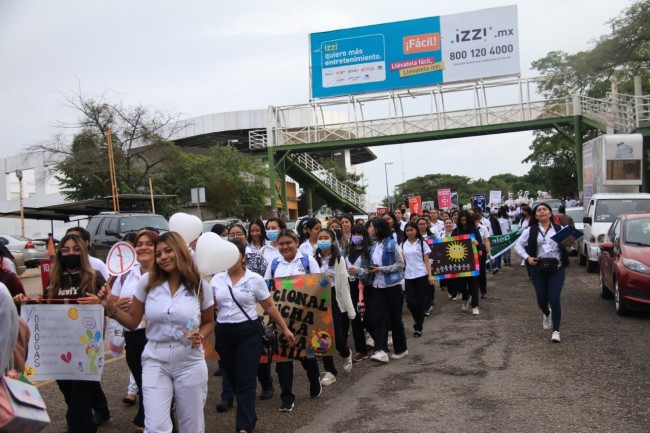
(392, 264)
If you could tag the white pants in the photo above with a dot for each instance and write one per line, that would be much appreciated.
(133, 387)
(173, 370)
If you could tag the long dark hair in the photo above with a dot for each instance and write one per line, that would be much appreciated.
(184, 263)
(429, 233)
(87, 274)
(396, 224)
(533, 218)
(415, 227)
(359, 229)
(260, 224)
(468, 218)
(382, 229)
(334, 251)
(310, 223)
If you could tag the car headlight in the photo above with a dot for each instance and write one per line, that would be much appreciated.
(637, 266)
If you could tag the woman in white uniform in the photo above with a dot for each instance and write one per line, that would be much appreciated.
(238, 333)
(180, 314)
(417, 276)
(311, 228)
(271, 249)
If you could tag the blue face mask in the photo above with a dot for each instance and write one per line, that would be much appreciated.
(324, 245)
(225, 238)
(272, 235)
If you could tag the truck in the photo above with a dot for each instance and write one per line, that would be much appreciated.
(612, 173)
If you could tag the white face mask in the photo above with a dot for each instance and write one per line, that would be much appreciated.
(225, 238)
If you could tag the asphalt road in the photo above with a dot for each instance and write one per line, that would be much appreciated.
(496, 372)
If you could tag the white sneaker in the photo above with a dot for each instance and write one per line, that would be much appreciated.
(380, 356)
(369, 341)
(451, 297)
(463, 305)
(347, 363)
(547, 323)
(555, 338)
(390, 338)
(327, 379)
(399, 355)
(475, 311)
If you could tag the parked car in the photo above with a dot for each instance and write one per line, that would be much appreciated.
(33, 251)
(107, 228)
(554, 203)
(228, 222)
(577, 213)
(625, 263)
(18, 261)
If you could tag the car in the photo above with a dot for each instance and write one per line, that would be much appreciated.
(228, 222)
(624, 263)
(33, 251)
(577, 213)
(554, 203)
(107, 228)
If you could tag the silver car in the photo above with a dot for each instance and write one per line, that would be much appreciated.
(19, 261)
(33, 251)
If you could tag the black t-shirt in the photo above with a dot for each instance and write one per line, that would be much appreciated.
(71, 286)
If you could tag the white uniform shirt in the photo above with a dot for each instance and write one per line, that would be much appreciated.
(254, 248)
(269, 252)
(546, 247)
(167, 315)
(415, 266)
(9, 265)
(484, 232)
(248, 291)
(438, 226)
(127, 289)
(100, 266)
(288, 269)
(306, 249)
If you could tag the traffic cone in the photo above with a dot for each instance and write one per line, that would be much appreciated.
(50, 246)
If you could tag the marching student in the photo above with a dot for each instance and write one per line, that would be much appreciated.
(257, 236)
(417, 275)
(311, 227)
(468, 286)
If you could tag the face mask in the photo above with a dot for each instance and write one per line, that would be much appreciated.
(225, 238)
(338, 233)
(357, 239)
(272, 234)
(71, 262)
(324, 245)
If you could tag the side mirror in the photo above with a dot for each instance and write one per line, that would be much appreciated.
(606, 246)
(113, 233)
(587, 220)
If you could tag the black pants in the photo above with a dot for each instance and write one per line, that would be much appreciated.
(341, 332)
(468, 286)
(134, 346)
(79, 397)
(263, 377)
(359, 324)
(482, 277)
(285, 377)
(387, 314)
(240, 348)
(418, 296)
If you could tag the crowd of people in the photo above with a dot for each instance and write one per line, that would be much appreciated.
(168, 309)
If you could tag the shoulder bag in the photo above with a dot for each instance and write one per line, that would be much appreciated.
(22, 409)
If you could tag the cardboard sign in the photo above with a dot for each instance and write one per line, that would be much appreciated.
(120, 259)
(454, 257)
(479, 201)
(304, 301)
(66, 342)
(428, 205)
(415, 205)
(444, 198)
(381, 211)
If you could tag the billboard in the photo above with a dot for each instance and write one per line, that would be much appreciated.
(415, 53)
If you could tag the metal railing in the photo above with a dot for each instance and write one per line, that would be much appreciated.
(624, 113)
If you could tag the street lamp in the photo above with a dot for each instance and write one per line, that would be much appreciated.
(386, 164)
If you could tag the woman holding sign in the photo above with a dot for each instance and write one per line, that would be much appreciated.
(72, 277)
(293, 263)
(180, 314)
(546, 260)
(468, 286)
(238, 333)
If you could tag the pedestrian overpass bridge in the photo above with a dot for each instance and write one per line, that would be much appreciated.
(440, 112)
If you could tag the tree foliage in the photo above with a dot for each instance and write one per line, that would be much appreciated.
(352, 180)
(234, 182)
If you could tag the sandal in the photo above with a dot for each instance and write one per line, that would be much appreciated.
(129, 400)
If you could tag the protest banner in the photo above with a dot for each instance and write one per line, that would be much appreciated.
(479, 201)
(66, 342)
(454, 257)
(499, 244)
(381, 211)
(495, 198)
(415, 205)
(428, 205)
(304, 302)
(444, 198)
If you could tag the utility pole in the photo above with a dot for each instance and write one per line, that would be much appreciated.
(19, 175)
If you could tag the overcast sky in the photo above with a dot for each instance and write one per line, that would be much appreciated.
(203, 57)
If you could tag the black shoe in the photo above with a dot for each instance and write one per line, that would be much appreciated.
(495, 271)
(218, 372)
(101, 416)
(315, 389)
(224, 405)
(129, 401)
(286, 407)
(266, 394)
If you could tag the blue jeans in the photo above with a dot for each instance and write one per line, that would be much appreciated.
(548, 288)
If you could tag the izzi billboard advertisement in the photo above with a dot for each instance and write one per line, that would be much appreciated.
(415, 53)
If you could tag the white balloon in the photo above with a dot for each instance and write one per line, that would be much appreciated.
(186, 225)
(214, 255)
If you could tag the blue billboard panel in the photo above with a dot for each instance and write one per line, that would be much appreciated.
(415, 53)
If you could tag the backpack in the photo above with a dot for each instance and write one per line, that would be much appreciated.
(276, 261)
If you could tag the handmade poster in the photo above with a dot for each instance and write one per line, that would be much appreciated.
(415, 205)
(478, 200)
(304, 301)
(381, 211)
(428, 205)
(454, 257)
(444, 198)
(66, 343)
(121, 258)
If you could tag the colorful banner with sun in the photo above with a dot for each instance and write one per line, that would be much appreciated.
(454, 257)
(304, 301)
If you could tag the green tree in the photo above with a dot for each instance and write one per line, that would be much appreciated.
(234, 182)
(352, 180)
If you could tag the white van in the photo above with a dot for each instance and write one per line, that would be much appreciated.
(602, 210)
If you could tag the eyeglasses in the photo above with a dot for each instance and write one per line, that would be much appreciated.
(66, 250)
(237, 235)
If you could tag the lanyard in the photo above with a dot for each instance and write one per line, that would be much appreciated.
(544, 233)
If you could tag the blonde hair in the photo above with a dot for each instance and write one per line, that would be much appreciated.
(88, 275)
(190, 275)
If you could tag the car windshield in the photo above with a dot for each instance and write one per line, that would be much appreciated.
(576, 214)
(608, 209)
(637, 231)
(135, 223)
